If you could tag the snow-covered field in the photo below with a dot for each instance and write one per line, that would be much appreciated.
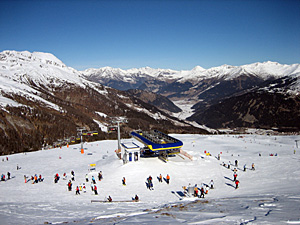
(268, 195)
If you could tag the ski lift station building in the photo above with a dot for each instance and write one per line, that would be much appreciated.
(157, 143)
(132, 152)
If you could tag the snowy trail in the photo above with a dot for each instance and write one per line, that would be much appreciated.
(269, 194)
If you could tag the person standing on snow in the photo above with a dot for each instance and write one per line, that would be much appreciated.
(236, 184)
(77, 191)
(124, 181)
(100, 176)
(160, 178)
(92, 186)
(253, 168)
(35, 179)
(136, 198)
(93, 179)
(202, 193)
(95, 190)
(211, 184)
(195, 191)
(72, 175)
(234, 176)
(168, 178)
(149, 183)
(56, 178)
(87, 178)
(70, 185)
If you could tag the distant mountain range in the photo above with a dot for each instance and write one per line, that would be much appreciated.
(221, 96)
(42, 100)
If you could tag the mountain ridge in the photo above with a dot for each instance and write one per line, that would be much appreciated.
(43, 101)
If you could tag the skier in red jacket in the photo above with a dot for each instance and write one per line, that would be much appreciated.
(236, 184)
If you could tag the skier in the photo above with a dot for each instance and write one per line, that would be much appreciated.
(195, 191)
(70, 185)
(219, 157)
(84, 188)
(93, 179)
(211, 184)
(136, 198)
(236, 163)
(35, 179)
(72, 175)
(253, 168)
(160, 178)
(8, 175)
(245, 168)
(25, 178)
(40, 178)
(86, 178)
(56, 178)
(234, 176)
(109, 199)
(124, 181)
(236, 184)
(95, 190)
(77, 191)
(202, 192)
(64, 176)
(168, 178)
(150, 184)
(229, 165)
(92, 186)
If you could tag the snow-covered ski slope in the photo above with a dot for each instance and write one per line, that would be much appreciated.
(268, 195)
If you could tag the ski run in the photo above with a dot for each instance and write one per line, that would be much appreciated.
(267, 194)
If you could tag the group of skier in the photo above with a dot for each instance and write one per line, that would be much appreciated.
(198, 192)
(82, 187)
(3, 176)
(160, 179)
(34, 179)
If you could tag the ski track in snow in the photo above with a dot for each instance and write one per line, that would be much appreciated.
(268, 195)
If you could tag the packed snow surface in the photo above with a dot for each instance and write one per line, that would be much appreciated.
(270, 194)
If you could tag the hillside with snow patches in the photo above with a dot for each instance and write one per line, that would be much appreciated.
(267, 195)
(43, 102)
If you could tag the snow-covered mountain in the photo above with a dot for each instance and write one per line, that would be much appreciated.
(136, 77)
(30, 74)
(42, 100)
(210, 90)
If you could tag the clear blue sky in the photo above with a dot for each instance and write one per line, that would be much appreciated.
(160, 34)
